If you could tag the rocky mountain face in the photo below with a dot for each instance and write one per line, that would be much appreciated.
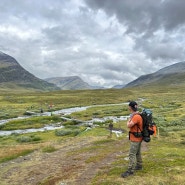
(170, 75)
(68, 83)
(11, 72)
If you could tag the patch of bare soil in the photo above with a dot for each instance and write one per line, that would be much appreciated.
(66, 166)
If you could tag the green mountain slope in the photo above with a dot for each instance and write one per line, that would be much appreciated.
(14, 75)
(172, 75)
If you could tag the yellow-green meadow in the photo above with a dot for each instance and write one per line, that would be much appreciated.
(77, 155)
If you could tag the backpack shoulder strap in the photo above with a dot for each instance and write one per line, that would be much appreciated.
(138, 128)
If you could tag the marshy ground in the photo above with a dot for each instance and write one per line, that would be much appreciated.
(75, 156)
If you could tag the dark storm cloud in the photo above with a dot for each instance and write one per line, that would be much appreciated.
(144, 19)
(105, 42)
(144, 16)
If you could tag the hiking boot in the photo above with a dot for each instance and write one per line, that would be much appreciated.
(127, 173)
(138, 168)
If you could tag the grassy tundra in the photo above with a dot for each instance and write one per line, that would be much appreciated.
(102, 158)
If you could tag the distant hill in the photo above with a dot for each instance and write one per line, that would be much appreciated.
(118, 86)
(69, 83)
(12, 74)
(170, 75)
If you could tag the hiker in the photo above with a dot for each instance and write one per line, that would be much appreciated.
(110, 128)
(135, 124)
(41, 111)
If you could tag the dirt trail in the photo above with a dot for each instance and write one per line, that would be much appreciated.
(66, 166)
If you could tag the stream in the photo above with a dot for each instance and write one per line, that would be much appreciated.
(63, 112)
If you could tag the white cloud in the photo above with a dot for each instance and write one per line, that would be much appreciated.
(103, 42)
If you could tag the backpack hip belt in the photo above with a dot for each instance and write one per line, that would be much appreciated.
(136, 134)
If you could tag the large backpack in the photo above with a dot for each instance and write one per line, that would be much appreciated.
(148, 124)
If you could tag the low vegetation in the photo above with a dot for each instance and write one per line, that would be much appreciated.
(29, 123)
(163, 157)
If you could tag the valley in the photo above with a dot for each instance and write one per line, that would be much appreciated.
(69, 70)
(77, 155)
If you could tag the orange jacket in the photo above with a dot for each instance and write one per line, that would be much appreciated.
(136, 121)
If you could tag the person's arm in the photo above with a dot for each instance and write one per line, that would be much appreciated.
(130, 123)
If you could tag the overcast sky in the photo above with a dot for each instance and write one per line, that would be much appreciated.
(105, 42)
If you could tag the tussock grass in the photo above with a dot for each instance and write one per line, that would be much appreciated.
(33, 122)
(65, 132)
(49, 149)
(25, 139)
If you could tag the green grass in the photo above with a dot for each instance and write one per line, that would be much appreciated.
(27, 139)
(101, 111)
(49, 149)
(14, 156)
(66, 132)
(17, 103)
(163, 160)
(163, 163)
(33, 122)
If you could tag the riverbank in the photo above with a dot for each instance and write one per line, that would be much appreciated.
(63, 112)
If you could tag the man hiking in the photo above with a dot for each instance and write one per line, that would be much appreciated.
(135, 124)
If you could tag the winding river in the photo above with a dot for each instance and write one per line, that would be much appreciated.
(64, 112)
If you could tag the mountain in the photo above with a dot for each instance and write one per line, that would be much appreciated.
(12, 74)
(68, 83)
(118, 86)
(170, 75)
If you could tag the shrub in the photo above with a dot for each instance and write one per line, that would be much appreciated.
(71, 122)
(1, 127)
(182, 142)
(35, 138)
(109, 121)
(26, 139)
(182, 135)
(98, 123)
(49, 149)
(96, 113)
(5, 116)
(62, 132)
(67, 132)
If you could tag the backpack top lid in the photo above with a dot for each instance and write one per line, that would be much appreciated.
(147, 112)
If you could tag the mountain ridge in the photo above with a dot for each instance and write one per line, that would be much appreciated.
(170, 75)
(69, 83)
(12, 72)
